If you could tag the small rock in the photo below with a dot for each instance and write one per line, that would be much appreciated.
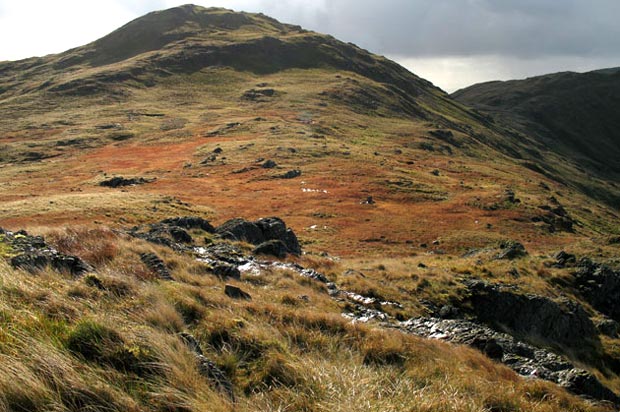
(236, 292)
(369, 201)
(269, 164)
(448, 312)
(511, 250)
(291, 174)
(563, 259)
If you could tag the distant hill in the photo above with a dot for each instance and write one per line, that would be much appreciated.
(574, 114)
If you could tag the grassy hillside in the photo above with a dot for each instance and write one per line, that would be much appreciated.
(573, 114)
(400, 196)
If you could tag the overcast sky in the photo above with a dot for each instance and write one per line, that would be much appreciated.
(453, 43)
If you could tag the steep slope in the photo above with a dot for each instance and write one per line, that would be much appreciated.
(576, 115)
(415, 214)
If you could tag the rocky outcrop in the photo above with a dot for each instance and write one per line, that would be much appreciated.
(260, 231)
(523, 358)
(563, 324)
(600, 286)
(31, 253)
(172, 232)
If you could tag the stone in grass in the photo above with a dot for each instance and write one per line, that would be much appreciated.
(236, 293)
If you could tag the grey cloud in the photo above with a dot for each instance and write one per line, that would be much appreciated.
(524, 28)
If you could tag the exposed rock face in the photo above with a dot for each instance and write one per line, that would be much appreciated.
(260, 231)
(32, 254)
(600, 286)
(534, 318)
(525, 359)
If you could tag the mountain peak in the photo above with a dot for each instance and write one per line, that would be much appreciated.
(160, 28)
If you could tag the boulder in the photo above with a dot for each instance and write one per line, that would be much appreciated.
(564, 259)
(226, 271)
(260, 231)
(241, 230)
(274, 228)
(584, 383)
(32, 254)
(180, 235)
(272, 248)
